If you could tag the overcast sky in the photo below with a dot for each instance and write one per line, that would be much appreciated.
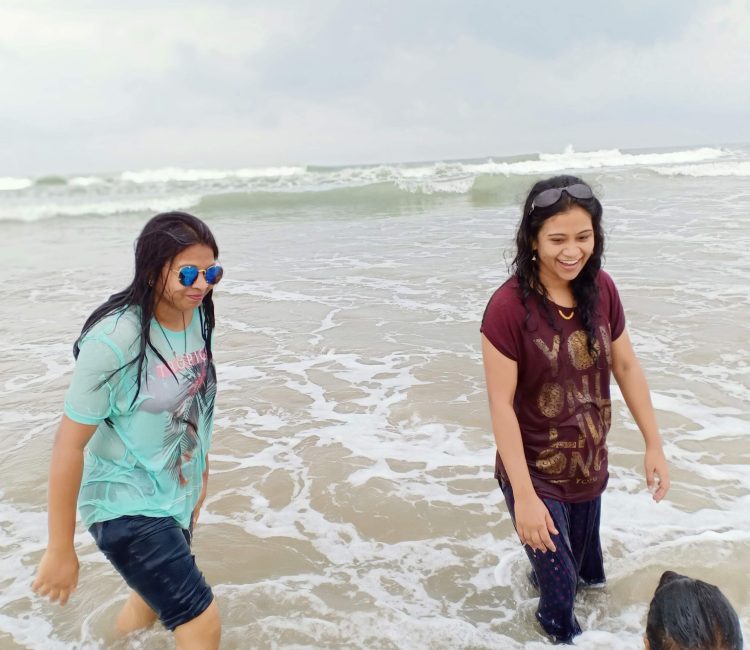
(106, 86)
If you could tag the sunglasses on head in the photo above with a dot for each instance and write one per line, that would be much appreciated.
(189, 273)
(551, 196)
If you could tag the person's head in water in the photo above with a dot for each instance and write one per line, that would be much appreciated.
(560, 243)
(688, 614)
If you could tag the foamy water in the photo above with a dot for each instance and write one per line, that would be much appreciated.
(351, 502)
(205, 190)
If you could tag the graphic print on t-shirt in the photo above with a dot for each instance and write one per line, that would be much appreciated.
(562, 396)
(573, 395)
(185, 390)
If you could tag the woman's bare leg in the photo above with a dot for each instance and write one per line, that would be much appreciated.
(134, 615)
(202, 633)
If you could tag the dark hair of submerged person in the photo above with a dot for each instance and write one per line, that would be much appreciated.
(689, 614)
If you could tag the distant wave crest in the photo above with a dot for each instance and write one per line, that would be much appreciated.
(496, 181)
(104, 208)
(176, 174)
(418, 176)
(8, 183)
(738, 168)
(615, 158)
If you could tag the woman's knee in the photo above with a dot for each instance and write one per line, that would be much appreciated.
(204, 631)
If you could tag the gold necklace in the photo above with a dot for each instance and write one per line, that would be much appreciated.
(560, 311)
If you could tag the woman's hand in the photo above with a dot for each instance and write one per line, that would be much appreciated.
(533, 521)
(534, 524)
(657, 472)
(57, 575)
(202, 497)
(197, 512)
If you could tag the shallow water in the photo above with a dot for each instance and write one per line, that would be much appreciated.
(351, 502)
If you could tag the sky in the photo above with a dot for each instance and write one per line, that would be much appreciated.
(92, 86)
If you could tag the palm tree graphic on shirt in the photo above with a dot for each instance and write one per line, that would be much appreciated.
(192, 413)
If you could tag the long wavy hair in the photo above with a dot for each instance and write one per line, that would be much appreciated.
(526, 269)
(689, 613)
(163, 238)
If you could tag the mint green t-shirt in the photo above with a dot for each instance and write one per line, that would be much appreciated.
(147, 457)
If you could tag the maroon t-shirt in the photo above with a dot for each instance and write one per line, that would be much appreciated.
(562, 396)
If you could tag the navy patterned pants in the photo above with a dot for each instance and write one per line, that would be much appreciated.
(577, 561)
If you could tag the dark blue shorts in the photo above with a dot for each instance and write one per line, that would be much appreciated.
(153, 555)
(578, 561)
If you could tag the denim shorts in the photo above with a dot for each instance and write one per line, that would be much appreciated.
(153, 555)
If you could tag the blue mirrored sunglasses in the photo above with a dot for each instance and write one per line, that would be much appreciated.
(189, 273)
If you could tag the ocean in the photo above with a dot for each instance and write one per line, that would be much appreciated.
(351, 501)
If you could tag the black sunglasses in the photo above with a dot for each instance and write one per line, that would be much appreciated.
(551, 196)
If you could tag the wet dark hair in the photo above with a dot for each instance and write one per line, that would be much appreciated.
(688, 614)
(163, 238)
(584, 286)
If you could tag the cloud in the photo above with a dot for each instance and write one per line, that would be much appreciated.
(234, 83)
(108, 62)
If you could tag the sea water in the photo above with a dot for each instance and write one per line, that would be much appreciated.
(351, 500)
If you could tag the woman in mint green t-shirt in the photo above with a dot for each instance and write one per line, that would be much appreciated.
(133, 441)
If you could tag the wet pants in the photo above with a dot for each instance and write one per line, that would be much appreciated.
(577, 561)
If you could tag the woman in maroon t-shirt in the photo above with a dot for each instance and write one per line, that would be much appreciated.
(551, 335)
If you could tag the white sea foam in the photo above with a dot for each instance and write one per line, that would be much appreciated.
(352, 454)
(737, 168)
(614, 158)
(86, 181)
(459, 184)
(9, 183)
(230, 373)
(163, 189)
(431, 177)
(37, 632)
(40, 211)
(570, 159)
(458, 176)
(176, 174)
